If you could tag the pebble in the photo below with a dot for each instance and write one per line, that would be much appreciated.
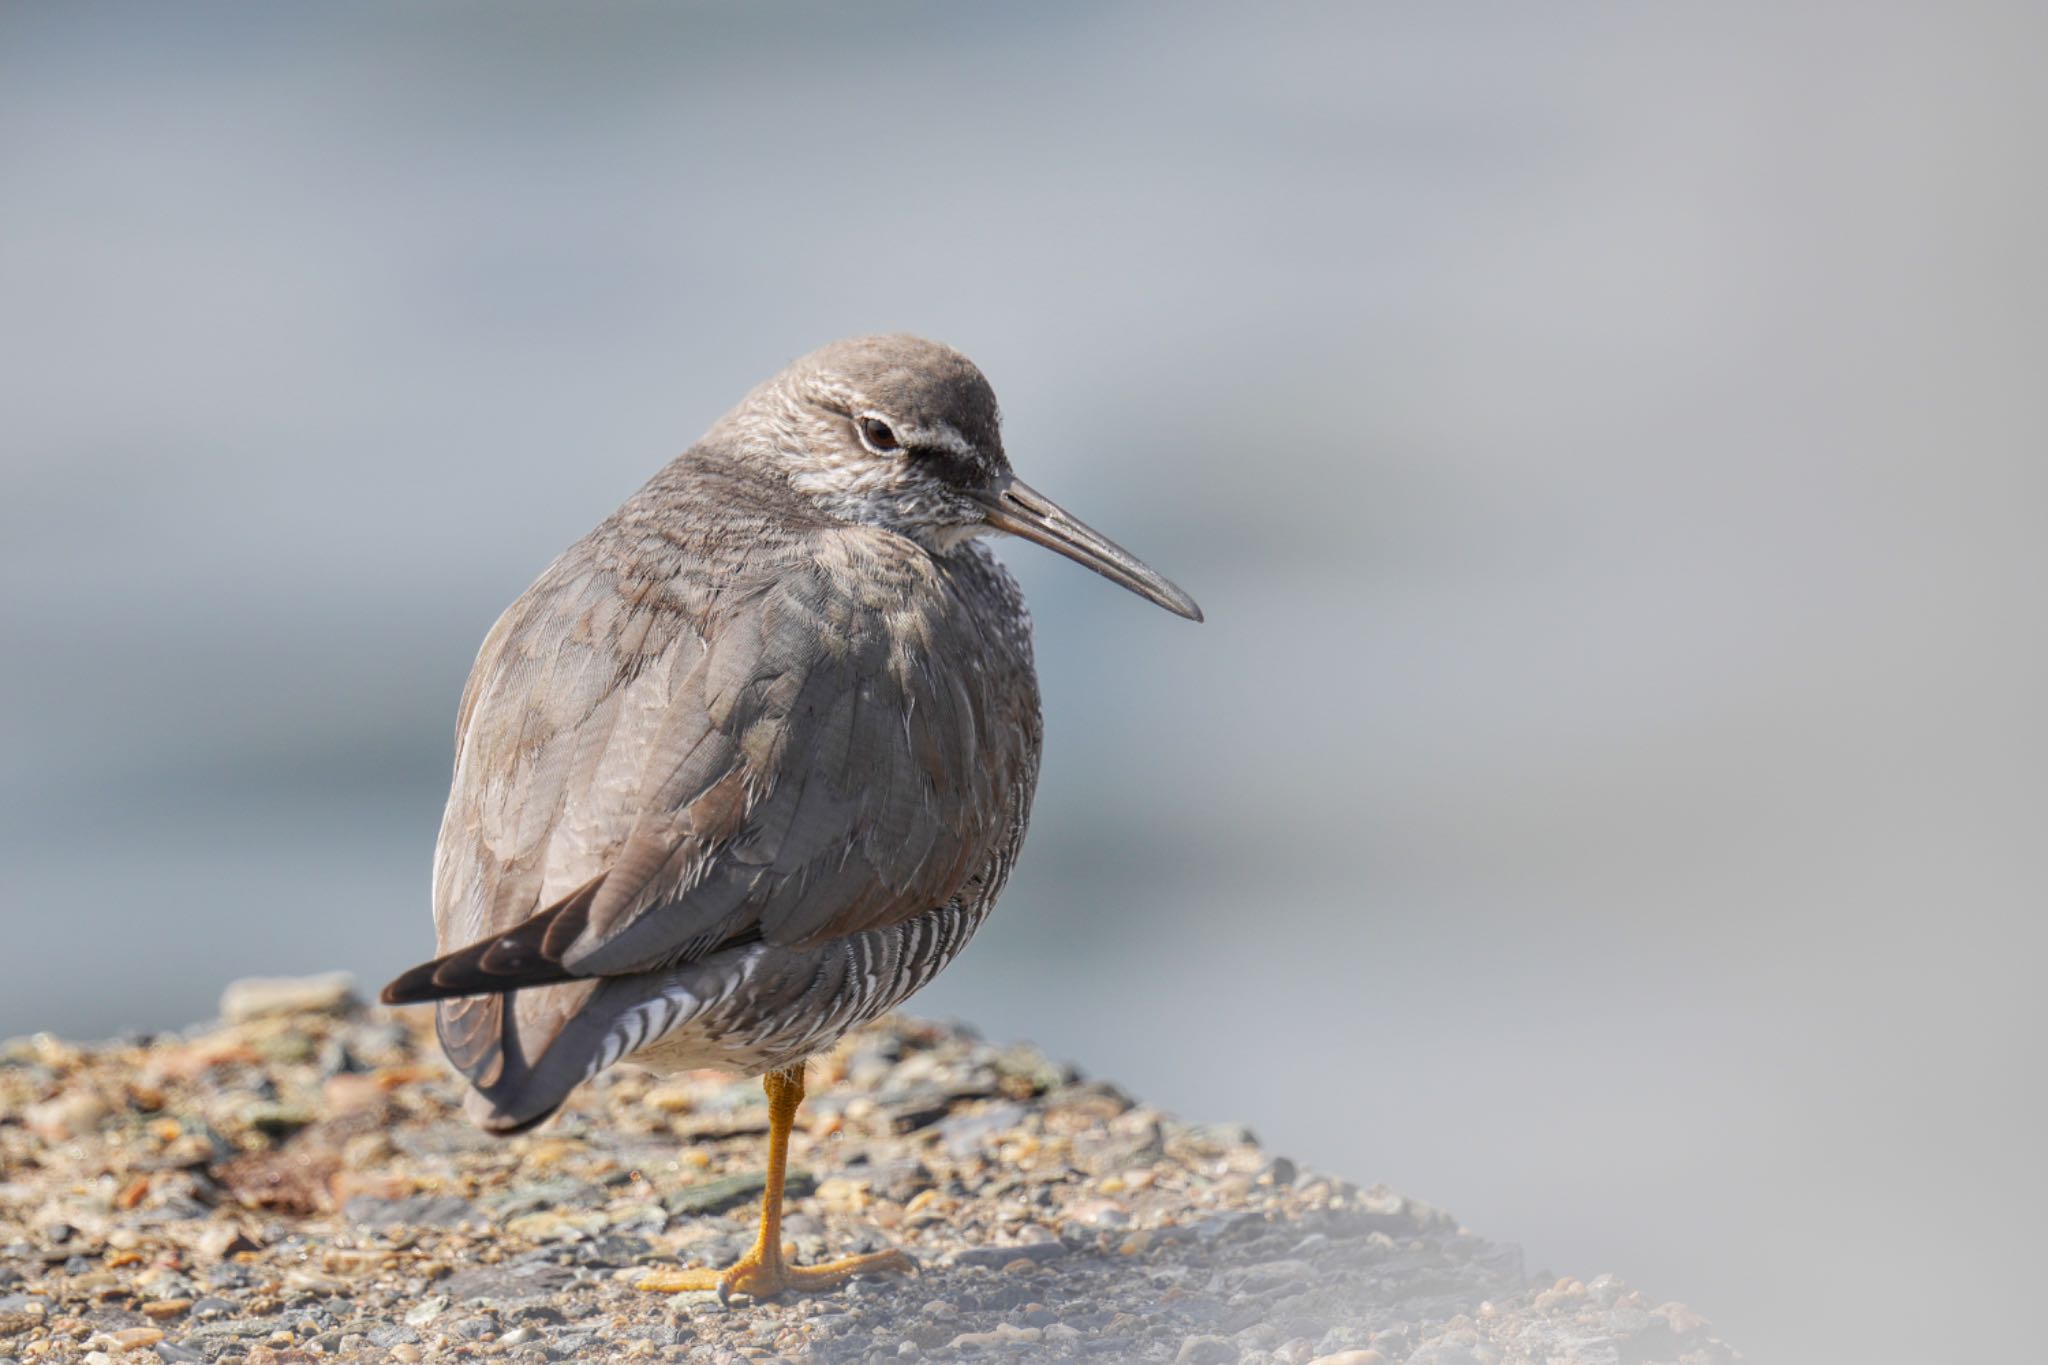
(473, 1329)
(973, 1132)
(223, 1240)
(67, 1117)
(1002, 1335)
(267, 997)
(997, 1258)
(1206, 1351)
(1683, 1321)
(731, 1192)
(1099, 1213)
(1267, 1275)
(1445, 1353)
(16, 1321)
(419, 1210)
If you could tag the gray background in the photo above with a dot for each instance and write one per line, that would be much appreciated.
(1607, 797)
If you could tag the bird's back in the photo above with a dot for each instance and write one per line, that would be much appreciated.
(719, 736)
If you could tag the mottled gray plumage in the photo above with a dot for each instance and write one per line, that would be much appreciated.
(750, 762)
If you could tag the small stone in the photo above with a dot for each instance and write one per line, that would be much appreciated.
(671, 1099)
(1628, 1320)
(1272, 1275)
(996, 1258)
(275, 1120)
(973, 1132)
(289, 1048)
(509, 1285)
(1099, 1213)
(67, 1117)
(264, 997)
(406, 1352)
(350, 1091)
(1565, 1291)
(1444, 1353)
(1004, 1335)
(426, 1310)
(223, 1240)
(842, 1195)
(1365, 1357)
(1684, 1322)
(1219, 1227)
(1206, 1351)
(731, 1191)
(419, 1210)
(474, 1329)
(136, 1338)
(312, 1282)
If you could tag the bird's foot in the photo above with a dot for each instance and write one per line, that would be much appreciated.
(763, 1277)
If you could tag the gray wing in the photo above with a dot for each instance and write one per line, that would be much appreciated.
(642, 779)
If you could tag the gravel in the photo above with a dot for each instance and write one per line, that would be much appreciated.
(298, 1185)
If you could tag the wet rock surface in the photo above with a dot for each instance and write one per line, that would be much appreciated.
(299, 1185)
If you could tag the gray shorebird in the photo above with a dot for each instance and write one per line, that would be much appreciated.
(750, 762)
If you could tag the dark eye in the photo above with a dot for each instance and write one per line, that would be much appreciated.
(877, 434)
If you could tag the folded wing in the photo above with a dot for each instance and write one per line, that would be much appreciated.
(646, 775)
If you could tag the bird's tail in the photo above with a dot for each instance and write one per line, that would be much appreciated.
(502, 1009)
(510, 1048)
(528, 954)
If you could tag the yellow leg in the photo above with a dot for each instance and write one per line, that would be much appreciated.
(763, 1272)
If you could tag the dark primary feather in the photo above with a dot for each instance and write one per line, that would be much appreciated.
(517, 958)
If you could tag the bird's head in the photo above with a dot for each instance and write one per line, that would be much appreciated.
(903, 433)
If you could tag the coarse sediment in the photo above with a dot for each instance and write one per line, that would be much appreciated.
(296, 1183)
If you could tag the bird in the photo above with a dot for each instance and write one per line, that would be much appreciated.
(750, 762)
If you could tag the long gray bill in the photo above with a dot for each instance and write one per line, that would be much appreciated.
(1018, 508)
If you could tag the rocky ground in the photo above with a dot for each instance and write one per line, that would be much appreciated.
(296, 1183)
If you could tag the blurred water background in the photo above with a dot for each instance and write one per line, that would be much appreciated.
(1607, 797)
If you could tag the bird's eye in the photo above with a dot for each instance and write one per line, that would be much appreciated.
(878, 435)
